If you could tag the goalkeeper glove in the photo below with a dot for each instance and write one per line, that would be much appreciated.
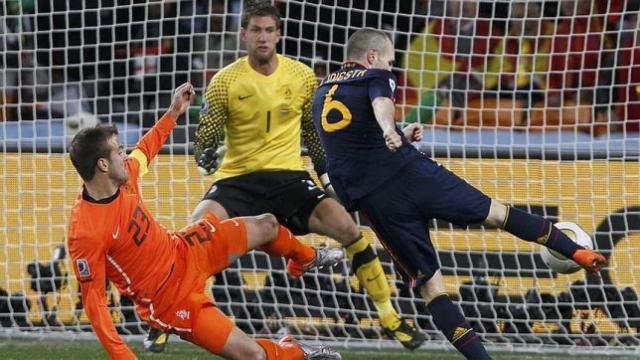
(209, 161)
(326, 184)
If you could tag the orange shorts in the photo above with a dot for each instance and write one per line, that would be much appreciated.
(205, 248)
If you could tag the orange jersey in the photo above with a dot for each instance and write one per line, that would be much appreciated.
(117, 238)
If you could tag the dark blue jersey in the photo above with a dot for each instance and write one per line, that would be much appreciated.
(358, 161)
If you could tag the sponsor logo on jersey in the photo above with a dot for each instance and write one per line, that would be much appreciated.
(116, 232)
(392, 84)
(244, 97)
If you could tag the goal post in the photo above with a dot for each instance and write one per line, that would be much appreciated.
(510, 102)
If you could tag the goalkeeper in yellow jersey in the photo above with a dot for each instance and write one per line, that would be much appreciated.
(263, 102)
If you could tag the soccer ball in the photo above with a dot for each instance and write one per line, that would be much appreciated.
(558, 262)
(79, 121)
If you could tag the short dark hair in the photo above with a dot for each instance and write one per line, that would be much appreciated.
(259, 8)
(364, 39)
(88, 146)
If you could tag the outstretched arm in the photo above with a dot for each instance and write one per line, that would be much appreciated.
(151, 143)
(312, 141)
(382, 94)
(213, 117)
(95, 306)
(311, 138)
(89, 265)
(384, 110)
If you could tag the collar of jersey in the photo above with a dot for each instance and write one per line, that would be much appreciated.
(353, 64)
(87, 197)
(259, 75)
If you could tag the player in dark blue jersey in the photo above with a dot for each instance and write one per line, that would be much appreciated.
(374, 169)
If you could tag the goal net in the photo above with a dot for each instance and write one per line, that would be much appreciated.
(535, 103)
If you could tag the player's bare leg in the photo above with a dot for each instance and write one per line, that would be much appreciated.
(299, 262)
(534, 228)
(265, 233)
(208, 206)
(240, 346)
(329, 218)
(433, 288)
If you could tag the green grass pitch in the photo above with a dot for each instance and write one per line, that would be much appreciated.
(58, 349)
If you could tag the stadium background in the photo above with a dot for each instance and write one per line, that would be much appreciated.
(118, 62)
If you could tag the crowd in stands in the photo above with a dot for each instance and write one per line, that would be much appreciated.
(118, 60)
(538, 65)
(566, 64)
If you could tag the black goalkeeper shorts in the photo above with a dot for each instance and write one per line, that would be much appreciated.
(289, 195)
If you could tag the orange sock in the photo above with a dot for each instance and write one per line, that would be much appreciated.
(285, 244)
(281, 351)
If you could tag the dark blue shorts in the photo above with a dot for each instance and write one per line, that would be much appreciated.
(401, 209)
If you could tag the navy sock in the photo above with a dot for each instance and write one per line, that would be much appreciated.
(448, 318)
(534, 228)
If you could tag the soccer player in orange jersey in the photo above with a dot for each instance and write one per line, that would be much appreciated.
(112, 235)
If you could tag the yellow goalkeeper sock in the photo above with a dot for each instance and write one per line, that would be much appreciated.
(368, 269)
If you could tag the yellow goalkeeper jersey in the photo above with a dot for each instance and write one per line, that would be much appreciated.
(262, 116)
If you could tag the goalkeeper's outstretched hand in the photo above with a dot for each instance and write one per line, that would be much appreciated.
(182, 98)
(210, 159)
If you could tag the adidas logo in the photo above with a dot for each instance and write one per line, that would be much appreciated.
(542, 239)
(459, 333)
